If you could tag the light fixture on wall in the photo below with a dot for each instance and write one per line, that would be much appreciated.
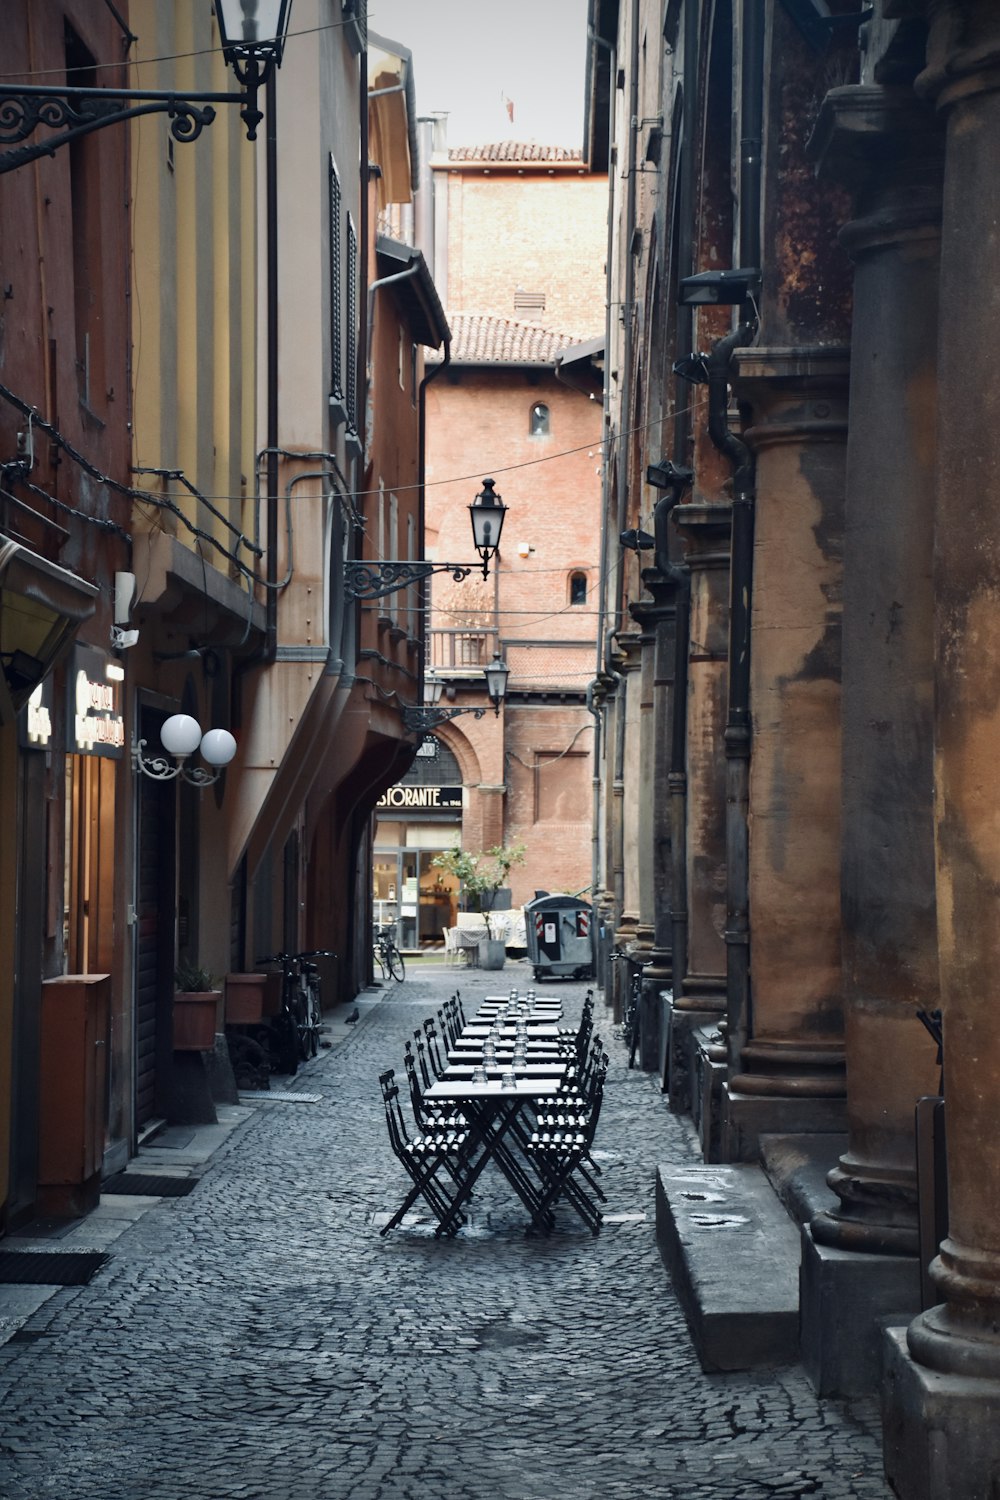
(181, 736)
(373, 580)
(420, 720)
(253, 36)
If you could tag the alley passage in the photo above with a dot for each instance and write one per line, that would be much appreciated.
(258, 1340)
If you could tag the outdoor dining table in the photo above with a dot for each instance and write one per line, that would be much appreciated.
(465, 1069)
(472, 1053)
(535, 1029)
(497, 1116)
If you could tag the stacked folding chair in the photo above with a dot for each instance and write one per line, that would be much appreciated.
(425, 1156)
(560, 1145)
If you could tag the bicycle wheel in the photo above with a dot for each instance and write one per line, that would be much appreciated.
(380, 961)
(394, 959)
(314, 1017)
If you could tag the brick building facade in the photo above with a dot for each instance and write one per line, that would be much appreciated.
(520, 291)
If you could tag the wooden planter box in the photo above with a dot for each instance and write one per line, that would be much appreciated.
(194, 1019)
(251, 998)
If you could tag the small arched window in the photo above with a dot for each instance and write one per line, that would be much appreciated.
(578, 588)
(538, 422)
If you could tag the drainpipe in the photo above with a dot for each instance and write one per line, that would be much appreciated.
(423, 596)
(677, 775)
(603, 633)
(271, 200)
(628, 328)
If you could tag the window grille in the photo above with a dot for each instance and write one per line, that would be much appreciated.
(336, 282)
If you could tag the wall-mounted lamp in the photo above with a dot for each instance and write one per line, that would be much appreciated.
(253, 40)
(420, 720)
(637, 540)
(718, 288)
(373, 580)
(181, 736)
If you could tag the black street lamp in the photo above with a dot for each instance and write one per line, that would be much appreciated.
(420, 720)
(373, 580)
(253, 41)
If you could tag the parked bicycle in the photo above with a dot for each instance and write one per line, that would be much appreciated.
(387, 956)
(294, 1031)
(632, 1019)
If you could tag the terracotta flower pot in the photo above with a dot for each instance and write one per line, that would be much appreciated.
(194, 1020)
(252, 997)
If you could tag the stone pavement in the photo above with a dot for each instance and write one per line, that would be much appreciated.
(258, 1340)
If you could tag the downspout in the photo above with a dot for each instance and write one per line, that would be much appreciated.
(603, 641)
(737, 734)
(429, 375)
(271, 201)
(628, 329)
(677, 775)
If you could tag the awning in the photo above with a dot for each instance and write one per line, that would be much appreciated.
(41, 608)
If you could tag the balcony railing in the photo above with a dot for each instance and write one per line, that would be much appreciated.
(461, 649)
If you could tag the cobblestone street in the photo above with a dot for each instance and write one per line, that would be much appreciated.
(258, 1340)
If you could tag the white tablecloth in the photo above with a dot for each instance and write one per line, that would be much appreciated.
(506, 925)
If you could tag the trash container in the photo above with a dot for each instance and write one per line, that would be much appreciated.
(560, 936)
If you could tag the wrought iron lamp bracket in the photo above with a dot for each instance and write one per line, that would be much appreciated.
(80, 112)
(374, 580)
(420, 720)
(161, 769)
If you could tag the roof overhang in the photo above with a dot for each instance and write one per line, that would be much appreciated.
(392, 108)
(416, 296)
(582, 366)
(41, 608)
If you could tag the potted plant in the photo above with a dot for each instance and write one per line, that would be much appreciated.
(483, 875)
(250, 998)
(196, 1005)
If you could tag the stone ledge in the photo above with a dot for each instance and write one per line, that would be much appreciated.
(733, 1255)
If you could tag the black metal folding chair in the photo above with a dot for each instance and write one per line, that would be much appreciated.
(433, 1050)
(423, 1158)
(560, 1152)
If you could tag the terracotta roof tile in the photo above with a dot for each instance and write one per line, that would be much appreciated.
(514, 151)
(481, 338)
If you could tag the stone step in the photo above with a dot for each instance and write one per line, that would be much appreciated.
(733, 1255)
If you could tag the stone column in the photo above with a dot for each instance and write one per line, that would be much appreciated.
(659, 618)
(792, 1066)
(889, 148)
(699, 997)
(942, 1403)
(628, 660)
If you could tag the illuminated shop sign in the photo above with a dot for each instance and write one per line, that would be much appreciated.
(96, 724)
(34, 722)
(421, 799)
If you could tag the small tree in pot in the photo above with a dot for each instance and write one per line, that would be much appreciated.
(482, 875)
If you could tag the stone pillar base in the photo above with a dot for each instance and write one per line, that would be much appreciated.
(846, 1296)
(746, 1117)
(939, 1431)
(680, 1027)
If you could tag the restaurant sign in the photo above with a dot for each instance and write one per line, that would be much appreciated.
(96, 723)
(421, 799)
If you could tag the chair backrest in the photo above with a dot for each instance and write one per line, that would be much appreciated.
(433, 1051)
(393, 1112)
(425, 1072)
(410, 1063)
(459, 1011)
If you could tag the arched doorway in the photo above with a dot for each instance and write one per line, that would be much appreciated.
(415, 820)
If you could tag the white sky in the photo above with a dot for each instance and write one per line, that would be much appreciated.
(471, 55)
